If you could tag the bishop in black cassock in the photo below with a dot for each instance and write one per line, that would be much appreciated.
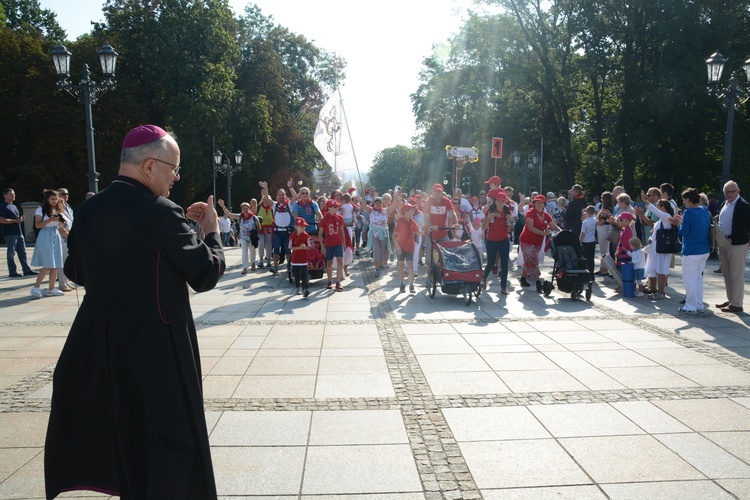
(127, 412)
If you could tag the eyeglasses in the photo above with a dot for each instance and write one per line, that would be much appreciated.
(175, 168)
(63, 194)
(730, 191)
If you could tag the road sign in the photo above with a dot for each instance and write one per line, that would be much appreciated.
(497, 147)
(468, 154)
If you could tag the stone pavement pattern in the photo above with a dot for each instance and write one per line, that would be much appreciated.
(377, 394)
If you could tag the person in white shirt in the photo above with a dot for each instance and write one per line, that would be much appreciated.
(638, 258)
(588, 238)
(225, 225)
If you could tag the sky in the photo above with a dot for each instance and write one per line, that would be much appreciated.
(383, 42)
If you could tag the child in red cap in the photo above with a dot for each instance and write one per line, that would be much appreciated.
(331, 231)
(300, 244)
(404, 236)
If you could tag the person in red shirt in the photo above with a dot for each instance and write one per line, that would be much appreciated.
(300, 244)
(438, 213)
(536, 228)
(497, 225)
(404, 237)
(331, 231)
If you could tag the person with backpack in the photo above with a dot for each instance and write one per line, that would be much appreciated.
(249, 224)
(283, 222)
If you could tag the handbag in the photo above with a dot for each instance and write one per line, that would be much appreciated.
(667, 240)
(614, 235)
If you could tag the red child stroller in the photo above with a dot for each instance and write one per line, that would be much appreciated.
(570, 268)
(457, 268)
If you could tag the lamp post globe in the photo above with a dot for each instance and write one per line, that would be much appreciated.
(108, 60)
(715, 66)
(61, 60)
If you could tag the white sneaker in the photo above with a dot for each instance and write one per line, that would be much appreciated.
(36, 292)
(55, 292)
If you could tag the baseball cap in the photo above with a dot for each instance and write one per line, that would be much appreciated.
(494, 180)
(299, 221)
(437, 187)
(497, 194)
(332, 204)
(540, 197)
(627, 215)
(406, 207)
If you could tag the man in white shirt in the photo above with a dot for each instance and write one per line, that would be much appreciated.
(225, 225)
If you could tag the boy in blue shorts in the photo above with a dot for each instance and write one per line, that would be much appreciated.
(331, 231)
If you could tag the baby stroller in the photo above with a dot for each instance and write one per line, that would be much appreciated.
(569, 269)
(457, 268)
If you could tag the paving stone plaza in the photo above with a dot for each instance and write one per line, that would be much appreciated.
(371, 393)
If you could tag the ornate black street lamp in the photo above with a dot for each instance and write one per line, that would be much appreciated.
(88, 92)
(731, 96)
(224, 165)
(532, 161)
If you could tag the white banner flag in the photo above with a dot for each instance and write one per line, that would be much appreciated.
(328, 131)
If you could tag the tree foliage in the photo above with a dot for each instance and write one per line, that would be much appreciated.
(616, 89)
(396, 166)
(239, 82)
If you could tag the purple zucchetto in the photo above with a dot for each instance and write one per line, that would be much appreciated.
(143, 135)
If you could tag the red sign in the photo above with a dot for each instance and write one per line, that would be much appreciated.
(497, 147)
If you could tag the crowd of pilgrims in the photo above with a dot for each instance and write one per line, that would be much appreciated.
(399, 226)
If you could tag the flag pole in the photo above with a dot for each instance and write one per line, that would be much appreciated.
(351, 141)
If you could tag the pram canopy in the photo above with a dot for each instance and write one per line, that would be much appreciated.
(459, 256)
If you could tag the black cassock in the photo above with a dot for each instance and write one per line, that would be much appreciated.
(127, 403)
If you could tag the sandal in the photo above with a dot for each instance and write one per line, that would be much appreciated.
(244, 271)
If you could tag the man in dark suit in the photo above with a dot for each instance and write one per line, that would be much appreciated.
(734, 222)
(127, 405)
(573, 218)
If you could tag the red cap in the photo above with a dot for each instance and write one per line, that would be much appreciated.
(406, 207)
(437, 187)
(627, 215)
(474, 198)
(540, 197)
(351, 190)
(494, 180)
(332, 204)
(497, 194)
(299, 221)
(143, 135)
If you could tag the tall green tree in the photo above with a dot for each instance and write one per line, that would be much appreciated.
(292, 77)
(178, 68)
(396, 166)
